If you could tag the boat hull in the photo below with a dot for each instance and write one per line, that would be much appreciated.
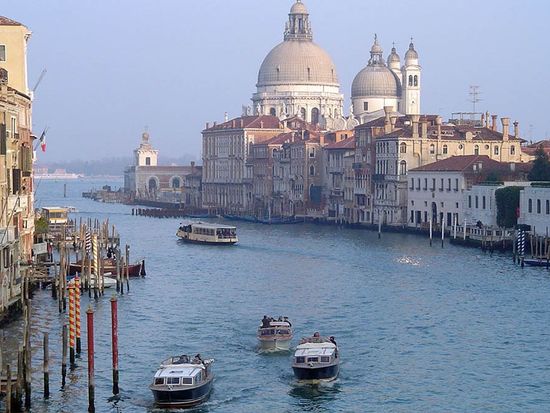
(326, 373)
(134, 270)
(536, 262)
(197, 241)
(181, 397)
(275, 344)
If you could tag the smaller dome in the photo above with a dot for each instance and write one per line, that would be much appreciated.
(393, 57)
(298, 8)
(375, 81)
(376, 49)
(411, 53)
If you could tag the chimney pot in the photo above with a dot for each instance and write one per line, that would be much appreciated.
(214, 124)
(207, 125)
(505, 128)
(516, 129)
(415, 119)
(494, 122)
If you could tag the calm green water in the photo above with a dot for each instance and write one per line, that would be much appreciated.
(420, 328)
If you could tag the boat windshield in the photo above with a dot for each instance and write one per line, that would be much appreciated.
(224, 233)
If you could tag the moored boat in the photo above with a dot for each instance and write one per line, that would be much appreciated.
(182, 382)
(275, 335)
(109, 265)
(316, 359)
(207, 233)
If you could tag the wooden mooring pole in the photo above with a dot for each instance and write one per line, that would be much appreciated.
(114, 338)
(46, 367)
(64, 355)
(91, 385)
(9, 392)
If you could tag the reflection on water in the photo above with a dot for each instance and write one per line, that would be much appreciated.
(419, 328)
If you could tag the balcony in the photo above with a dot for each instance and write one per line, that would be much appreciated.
(7, 235)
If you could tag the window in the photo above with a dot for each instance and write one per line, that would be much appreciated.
(512, 150)
(312, 152)
(365, 106)
(538, 206)
(415, 80)
(433, 184)
(469, 201)
(418, 184)
(432, 149)
(313, 359)
(410, 80)
(456, 184)
(272, 112)
(412, 184)
(449, 184)
(2, 53)
(173, 380)
(315, 116)
(187, 380)
(496, 150)
(441, 186)
(325, 359)
(425, 184)
(403, 147)
(303, 113)
(148, 161)
(476, 150)
(311, 170)
(176, 183)
(402, 168)
(445, 149)
(483, 202)
(547, 207)
(159, 380)
(477, 202)
(530, 206)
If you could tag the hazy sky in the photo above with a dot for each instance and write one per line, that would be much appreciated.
(114, 67)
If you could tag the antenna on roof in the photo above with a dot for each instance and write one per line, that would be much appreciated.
(474, 96)
(42, 74)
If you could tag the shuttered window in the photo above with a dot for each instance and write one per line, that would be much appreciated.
(3, 139)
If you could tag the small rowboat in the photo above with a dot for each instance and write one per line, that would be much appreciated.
(109, 265)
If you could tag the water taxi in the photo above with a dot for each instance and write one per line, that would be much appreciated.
(182, 382)
(316, 359)
(274, 335)
(207, 233)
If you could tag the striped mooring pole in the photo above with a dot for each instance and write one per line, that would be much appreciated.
(72, 323)
(77, 314)
(96, 265)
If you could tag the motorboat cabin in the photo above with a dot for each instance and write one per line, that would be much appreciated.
(275, 335)
(208, 233)
(182, 382)
(316, 359)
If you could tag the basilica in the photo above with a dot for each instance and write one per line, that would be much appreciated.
(299, 78)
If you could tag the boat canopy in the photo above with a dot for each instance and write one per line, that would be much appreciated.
(184, 370)
(315, 349)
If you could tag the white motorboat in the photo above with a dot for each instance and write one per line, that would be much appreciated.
(316, 359)
(275, 335)
(207, 233)
(182, 382)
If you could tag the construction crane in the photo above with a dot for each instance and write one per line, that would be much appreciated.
(39, 80)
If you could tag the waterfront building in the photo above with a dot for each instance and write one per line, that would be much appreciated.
(438, 191)
(534, 207)
(227, 175)
(16, 161)
(380, 85)
(298, 78)
(147, 180)
(416, 140)
(336, 172)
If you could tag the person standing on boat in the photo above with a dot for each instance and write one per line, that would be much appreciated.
(265, 321)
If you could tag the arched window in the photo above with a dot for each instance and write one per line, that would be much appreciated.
(311, 170)
(496, 150)
(403, 147)
(410, 80)
(512, 150)
(432, 149)
(152, 184)
(147, 161)
(415, 80)
(445, 149)
(273, 112)
(402, 168)
(315, 116)
(476, 150)
(312, 152)
(303, 113)
(176, 183)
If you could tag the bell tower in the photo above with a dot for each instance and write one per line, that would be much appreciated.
(411, 82)
(145, 155)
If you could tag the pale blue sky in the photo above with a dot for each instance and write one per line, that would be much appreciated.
(116, 66)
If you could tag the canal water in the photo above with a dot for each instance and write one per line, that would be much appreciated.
(420, 328)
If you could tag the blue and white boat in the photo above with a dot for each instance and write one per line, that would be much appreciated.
(316, 359)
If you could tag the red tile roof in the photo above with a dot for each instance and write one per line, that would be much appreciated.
(465, 163)
(5, 21)
(348, 143)
(279, 139)
(250, 122)
(532, 148)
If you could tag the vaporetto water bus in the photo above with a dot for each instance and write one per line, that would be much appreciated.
(207, 233)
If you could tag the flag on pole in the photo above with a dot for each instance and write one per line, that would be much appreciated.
(43, 141)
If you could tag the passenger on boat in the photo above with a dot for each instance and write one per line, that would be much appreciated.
(197, 359)
(183, 359)
(316, 334)
(286, 321)
(332, 340)
(265, 321)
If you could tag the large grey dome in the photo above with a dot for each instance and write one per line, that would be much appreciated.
(376, 80)
(297, 62)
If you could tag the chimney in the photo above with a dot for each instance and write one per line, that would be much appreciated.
(487, 119)
(494, 122)
(261, 124)
(415, 119)
(393, 121)
(242, 123)
(207, 125)
(505, 128)
(225, 117)
(438, 123)
(424, 130)
(516, 129)
(387, 121)
(214, 124)
(233, 123)
(192, 166)
(482, 119)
